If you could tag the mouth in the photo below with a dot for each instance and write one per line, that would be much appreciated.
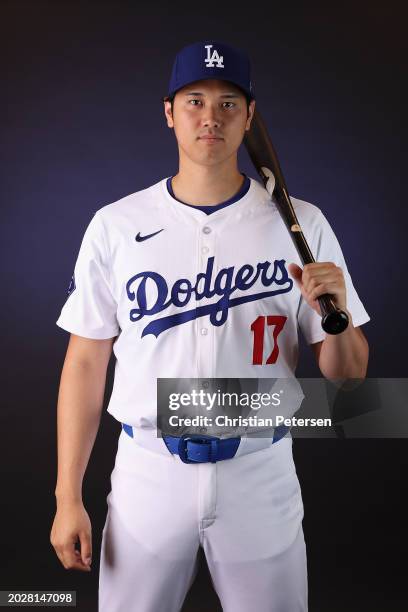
(210, 139)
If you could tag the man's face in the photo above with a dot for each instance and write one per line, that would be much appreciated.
(209, 108)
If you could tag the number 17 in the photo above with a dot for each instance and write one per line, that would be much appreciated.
(258, 327)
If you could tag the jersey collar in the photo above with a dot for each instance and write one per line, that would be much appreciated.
(245, 205)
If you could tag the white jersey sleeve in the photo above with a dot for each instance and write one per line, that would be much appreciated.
(326, 247)
(90, 309)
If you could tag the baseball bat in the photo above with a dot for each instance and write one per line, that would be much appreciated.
(265, 160)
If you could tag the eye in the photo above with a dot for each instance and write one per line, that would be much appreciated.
(232, 104)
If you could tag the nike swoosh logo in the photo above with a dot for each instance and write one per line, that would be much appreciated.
(140, 238)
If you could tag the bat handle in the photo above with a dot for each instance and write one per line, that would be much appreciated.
(334, 320)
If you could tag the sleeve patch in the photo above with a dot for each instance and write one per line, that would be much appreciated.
(72, 285)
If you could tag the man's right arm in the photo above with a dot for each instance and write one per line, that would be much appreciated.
(80, 403)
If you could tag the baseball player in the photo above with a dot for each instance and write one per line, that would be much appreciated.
(195, 277)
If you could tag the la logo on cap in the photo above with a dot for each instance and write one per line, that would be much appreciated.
(210, 59)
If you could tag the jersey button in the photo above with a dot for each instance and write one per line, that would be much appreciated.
(204, 249)
(206, 229)
(206, 384)
(204, 331)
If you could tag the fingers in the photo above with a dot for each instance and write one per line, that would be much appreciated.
(86, 547)
(321, 289)
(70, 557)
(294, 269)
(314, 272)
(296, 272)
(328, 274)
(319, 278)
(320, 268)
(69, 529)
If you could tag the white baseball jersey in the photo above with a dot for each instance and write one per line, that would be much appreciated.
(192, 295)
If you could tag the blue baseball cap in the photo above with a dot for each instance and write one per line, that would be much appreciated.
(211, 60)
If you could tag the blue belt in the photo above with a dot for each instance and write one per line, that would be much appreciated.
(196, 448)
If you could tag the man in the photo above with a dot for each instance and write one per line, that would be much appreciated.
(188, 279)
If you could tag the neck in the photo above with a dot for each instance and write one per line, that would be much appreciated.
(206, 185)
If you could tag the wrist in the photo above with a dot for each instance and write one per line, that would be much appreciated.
(68, 497)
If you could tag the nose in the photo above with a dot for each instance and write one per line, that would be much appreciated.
(211, 117)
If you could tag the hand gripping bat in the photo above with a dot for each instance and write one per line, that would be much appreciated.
(265, 160)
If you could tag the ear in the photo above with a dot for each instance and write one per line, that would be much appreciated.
(168, 113)
(251, 110)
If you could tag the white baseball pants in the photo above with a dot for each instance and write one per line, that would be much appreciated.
(246, 513)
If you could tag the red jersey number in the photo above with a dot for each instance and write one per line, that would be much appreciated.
(258, 328)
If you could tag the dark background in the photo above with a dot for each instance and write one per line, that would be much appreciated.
(82, 126)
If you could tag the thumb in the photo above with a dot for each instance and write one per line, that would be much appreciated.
(296, 272)
(86, 548)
